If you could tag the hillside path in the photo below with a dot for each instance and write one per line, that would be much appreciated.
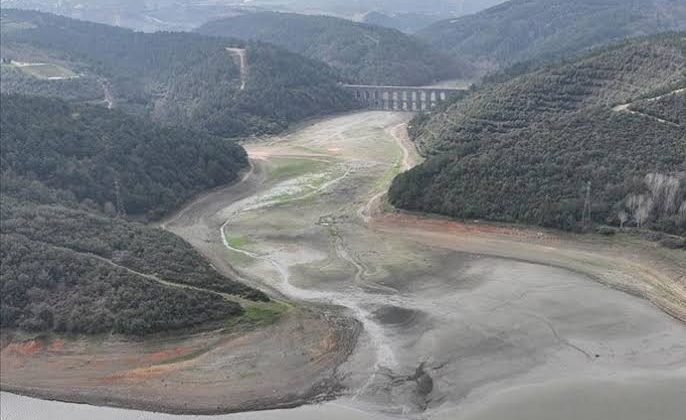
(627, 107)
(151, 277)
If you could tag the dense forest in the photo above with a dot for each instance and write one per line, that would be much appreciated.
(72, 259)
(181, 78)
(47, 288)
(522, 30)
(363, 53)
(563, 145)
(86, 150)
(523, 95)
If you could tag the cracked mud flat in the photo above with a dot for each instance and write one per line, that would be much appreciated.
(460, 321)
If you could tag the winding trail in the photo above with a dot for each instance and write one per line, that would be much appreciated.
(150, 277)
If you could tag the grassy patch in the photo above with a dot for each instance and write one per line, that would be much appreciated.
(319, 182)
(238, 258)
(264, 315)
(237, 242)
(305, 193)
(46, 71)
(308, 149)
(385, 181)
(188, 356)
(258, 315)
(291, 168)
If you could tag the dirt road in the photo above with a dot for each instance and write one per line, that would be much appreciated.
(627, 107)
(242, 62)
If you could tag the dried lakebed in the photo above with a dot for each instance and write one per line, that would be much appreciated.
(459, 321)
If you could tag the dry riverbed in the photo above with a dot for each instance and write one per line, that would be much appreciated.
(458, 319)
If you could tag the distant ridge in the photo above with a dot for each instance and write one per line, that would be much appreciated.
(521, 30)
(363, 53)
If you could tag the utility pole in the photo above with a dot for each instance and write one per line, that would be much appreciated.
(586, 215)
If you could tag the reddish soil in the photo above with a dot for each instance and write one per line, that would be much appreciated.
(286, 364)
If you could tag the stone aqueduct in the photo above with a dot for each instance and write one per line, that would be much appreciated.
(400, 98)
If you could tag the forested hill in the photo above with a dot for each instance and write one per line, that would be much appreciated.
(518, 97)
(71, 259)
(176, 78)
(82, 151)
(524, 147)
(521, 30)
(363, 53)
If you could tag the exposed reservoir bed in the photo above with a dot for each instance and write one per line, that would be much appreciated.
(459, 321)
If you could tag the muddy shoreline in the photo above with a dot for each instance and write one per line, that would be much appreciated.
(533, 245)
(326, 389)
(320, 393)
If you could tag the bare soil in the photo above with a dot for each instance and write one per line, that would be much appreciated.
(286, 364)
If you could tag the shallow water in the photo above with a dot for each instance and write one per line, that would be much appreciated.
(636, 398)
(633, 398)
(16, 407)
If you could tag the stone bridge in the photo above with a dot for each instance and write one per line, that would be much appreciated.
(400, 98)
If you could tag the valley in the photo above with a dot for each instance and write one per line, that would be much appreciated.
(525, 31)
(451, 313)
(287, 216)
